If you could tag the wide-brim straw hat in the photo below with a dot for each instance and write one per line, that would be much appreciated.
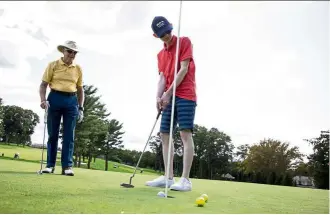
(68, 44)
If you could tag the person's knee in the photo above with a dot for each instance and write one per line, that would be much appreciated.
(186, 136)
(164, 137)
(53, 136)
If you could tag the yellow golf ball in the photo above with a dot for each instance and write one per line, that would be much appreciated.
(200, 201)
(206, 198)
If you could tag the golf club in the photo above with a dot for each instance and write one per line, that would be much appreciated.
(173, 103)
(43, 143)
(130, 180)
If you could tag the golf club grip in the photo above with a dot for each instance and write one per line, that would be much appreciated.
(159, 112)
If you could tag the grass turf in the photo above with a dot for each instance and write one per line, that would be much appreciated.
(93, 191)
(33, 155)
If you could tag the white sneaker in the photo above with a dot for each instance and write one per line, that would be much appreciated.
(48, 170)
(183, 184)
(68, 171)
(160, 182)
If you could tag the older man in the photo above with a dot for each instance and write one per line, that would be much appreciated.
(65, 99)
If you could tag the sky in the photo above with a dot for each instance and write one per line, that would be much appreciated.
(262, 68)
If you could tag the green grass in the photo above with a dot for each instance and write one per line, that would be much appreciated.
(33, 155)
(90, 191)
(93, 191)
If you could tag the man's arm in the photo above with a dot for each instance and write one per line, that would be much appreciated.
(81, 96)
(46, 78)
(80, 89)
(42, 91)
(185, 56)
(161, 85)
(180, 76)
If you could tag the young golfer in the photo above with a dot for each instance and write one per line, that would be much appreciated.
(185, 100)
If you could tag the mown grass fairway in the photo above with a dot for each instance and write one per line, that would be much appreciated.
(95, 191)
(33, 155)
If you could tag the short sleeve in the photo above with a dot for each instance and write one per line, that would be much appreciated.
(80, 78)
(186, 49)
(159, 62)
(48, 74)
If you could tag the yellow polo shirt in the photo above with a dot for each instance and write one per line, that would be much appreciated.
(62, 77)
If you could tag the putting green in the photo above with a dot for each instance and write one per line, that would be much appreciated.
(33, 155)
(94, 191)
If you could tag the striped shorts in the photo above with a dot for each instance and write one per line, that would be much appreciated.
(184, 115)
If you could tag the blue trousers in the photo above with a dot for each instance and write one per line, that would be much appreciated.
(67, 107)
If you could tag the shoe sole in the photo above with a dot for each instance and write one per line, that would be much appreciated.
(49, 172)
(161, 186)
(180, 190)
(67, 174)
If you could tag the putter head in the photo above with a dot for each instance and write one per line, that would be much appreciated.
(127, 185)
(39, 172)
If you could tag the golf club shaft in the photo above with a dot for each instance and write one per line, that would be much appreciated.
(173, 103)
(43, 142)
(145, 145)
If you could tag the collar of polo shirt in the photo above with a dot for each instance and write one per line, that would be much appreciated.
(62, 63)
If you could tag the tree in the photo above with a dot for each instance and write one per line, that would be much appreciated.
(113, 139)
(242, 152)
(271, 156)
(279, 179)
(319, 160)
(30, 121)
(213, 153)
(156, 147)
(287, 179)
(92, 128)
(219, 153)
(96, 137)
(1, 120)
(302, 169)
(200, 141)
(239, 169)
(19, 124)
(271, 178)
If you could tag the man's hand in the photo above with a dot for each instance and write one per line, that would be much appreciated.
(44, 105)
(165, 100)
(159, 104)
(80, 116)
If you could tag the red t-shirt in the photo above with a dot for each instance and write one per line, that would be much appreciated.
(166, 59)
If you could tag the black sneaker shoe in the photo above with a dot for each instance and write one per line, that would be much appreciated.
(67, 171)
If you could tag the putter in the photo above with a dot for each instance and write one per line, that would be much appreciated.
(43, 142)
(130, 180)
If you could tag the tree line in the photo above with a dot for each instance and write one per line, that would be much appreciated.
(269, 161)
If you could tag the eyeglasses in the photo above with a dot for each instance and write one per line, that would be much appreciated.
(71, 51)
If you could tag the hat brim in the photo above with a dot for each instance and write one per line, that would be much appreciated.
(61, 47)
(163, 30)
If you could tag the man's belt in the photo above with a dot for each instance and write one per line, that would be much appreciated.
(64, 93)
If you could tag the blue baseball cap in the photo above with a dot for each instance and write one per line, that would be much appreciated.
(160, 25)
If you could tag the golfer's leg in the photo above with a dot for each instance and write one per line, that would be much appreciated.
(165, 145)
(53, 127)
(70, 114)
(164, 133)
(186, 116)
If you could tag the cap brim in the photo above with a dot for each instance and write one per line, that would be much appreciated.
(163, 30)
(60, 48)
